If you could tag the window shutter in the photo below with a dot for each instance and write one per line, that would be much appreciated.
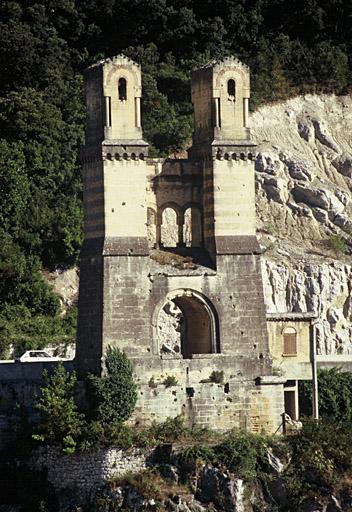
(290, 344)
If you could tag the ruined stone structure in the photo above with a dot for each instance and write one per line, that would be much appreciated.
(170, 266)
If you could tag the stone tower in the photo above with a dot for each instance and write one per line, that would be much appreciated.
(220, 95)
(170, 266)
(114, 184)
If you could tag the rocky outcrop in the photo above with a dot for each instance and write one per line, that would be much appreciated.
(304, 211)
(324, 288)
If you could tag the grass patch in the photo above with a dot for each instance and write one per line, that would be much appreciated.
(149, 484)
(337, 244)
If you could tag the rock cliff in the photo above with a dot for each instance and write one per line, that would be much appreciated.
(303, 188)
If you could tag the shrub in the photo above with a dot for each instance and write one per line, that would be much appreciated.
(243, 453)
(217, 376)
(192, 454)
(335, 394)
(60, 421)
(113, 434)
(170, 381)
(321, 453)
(337, 244)
(113, 396)
(152, 384)
(24, 330)
(171, 430)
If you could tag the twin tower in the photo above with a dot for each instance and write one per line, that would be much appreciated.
(170, 265)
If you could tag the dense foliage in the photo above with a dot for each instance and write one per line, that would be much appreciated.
(60, 421)
(69, 422)
(291, 47)
(334, 392)
(113, 396)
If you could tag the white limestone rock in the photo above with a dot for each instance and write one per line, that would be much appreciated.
(325, 289)
(343, 164)
(323, 136)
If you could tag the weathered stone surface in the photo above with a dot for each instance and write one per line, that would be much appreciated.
(311, 196)
(343, 164)
(221, 488)
(267, 163)
(325, 289)
(323, 135)
(300, 233)
(81, 474)
(298, 169)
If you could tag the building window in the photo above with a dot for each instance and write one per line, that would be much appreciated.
(290, 341)
(231, 89)
(122, 89)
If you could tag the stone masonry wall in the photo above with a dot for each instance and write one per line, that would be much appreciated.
(83, 473)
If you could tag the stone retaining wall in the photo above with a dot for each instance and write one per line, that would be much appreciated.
(83, 473)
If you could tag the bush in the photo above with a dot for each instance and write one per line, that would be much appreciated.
(321, 454)
(217, 377)
(60, 421)
(335, 394)
(113, 397)
(173, 429)
(243, 453)
(170, 381)
(337, 244)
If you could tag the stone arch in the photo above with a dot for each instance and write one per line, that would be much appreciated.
(169, 220)
(192, 225)
(186, 325)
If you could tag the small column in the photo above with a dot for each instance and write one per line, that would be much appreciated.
(138, 112)
(158, 236)
(107, 111)
(245, 112)
(296, 418)
(217, 112)
(313, 348)
(180, 242)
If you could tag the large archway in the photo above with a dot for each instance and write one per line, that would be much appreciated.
(187, 325)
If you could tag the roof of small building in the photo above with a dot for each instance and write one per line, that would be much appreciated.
(291, 316)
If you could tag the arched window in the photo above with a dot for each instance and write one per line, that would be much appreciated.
(192, 227)
(290, 341)
(169, 227)
(231, 89)
(122, 89)
(187, 325)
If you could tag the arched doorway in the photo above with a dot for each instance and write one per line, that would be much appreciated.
(187, 325)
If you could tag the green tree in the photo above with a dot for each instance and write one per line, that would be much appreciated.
(14, 185)
(21, 281)
(60, 421)
(334, 392)
(113, 396)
